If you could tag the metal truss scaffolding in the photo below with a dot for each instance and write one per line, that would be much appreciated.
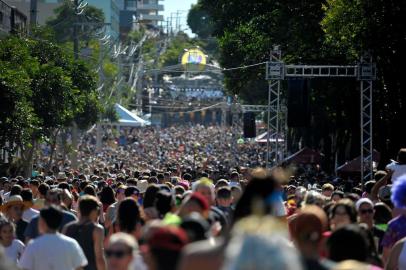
(364, 71)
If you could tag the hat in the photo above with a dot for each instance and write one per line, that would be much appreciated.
(142, 185)
(15, 200)
(184, 184)
(362, 201)
(168, 238)
(61, 176)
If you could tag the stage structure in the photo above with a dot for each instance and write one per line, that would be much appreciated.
(277, 70)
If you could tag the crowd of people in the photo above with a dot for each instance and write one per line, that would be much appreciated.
(157, 200)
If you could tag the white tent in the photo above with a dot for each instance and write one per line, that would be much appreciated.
(129, 119)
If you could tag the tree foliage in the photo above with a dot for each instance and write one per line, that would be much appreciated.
(92, 19)
(200, 21)
(42, 90)
(318, 32)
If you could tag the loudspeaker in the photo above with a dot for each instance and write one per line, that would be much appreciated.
(249, 125)
(298, 103)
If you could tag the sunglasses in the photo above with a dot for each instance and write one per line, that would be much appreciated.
(119, 254)
(366, 211)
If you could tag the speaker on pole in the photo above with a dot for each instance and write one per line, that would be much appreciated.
(249, 125)
(298, 103)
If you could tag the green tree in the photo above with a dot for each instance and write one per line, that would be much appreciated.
(377, 26)
(200, 21)
(62, 25)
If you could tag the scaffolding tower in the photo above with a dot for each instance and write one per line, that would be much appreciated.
(276, 71)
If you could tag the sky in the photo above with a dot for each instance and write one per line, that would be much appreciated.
(172, 6)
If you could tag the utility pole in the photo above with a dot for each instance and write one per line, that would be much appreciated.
(74, 157)
(33, 13)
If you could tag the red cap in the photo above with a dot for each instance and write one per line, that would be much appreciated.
(168, 238)
(200, 199)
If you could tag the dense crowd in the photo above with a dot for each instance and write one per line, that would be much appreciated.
(186, 199)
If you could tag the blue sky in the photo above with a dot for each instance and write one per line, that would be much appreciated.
(174, 5)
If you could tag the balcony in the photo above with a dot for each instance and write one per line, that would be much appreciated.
(154, 7)
(148, 17)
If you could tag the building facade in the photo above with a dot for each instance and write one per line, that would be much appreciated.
(12, 20)
(45, 8)
(133, 12)
(111, 14)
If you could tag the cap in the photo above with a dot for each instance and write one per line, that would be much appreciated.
(168, 238)
(362, 201)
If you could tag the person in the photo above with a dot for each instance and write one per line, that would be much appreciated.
(164, 247)
(14, 208)
(397, 257)
(13, 248)
(121, 252)
(337, 195)
(88, 233)
(365, 210)
(347, 243)
(52, 250)
(112, 209)
(224, 200)
(342, 213)
(306, 229)
(398, 168)
(327, 190)
(382, 216)
(397, 226)
(129, 217)
(53, 197)
(29, 213)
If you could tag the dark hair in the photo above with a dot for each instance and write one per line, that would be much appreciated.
(131, 191)
(83, 184)
(187, 177)
(261, 186)
(43, 189)
(52, 216)
(89, 190)
(179, 190)
(383, 213)
(107, 196)
(402, 156)
(339, 193)
(164, 202)
(16, 190)
(87, 204)
(131, 181)
(64, 185)
(348, 243)
(349, 207)
(153, 180)
(34, 183)
(26, 194)
(224, 193)
(369, 185)
(149, 196)
(128, 215)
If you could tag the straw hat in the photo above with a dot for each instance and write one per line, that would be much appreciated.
(61, 176)
(15, 200)
(142, 185)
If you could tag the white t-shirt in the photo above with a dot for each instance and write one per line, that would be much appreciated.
(15, 250)
(29, 214)
(52, 252)
(398, 170)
